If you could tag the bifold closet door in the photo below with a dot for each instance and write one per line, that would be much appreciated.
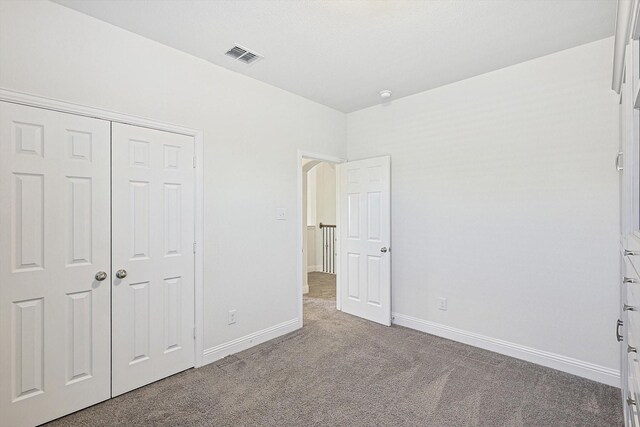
(153, 261)
(54, 242)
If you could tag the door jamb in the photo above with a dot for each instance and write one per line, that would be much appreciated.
(15, 97)
(300, 225)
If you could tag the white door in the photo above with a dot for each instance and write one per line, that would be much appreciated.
(153, 238)
(365, 236)
(54, 234)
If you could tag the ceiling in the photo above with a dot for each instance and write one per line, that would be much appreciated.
(342, 53)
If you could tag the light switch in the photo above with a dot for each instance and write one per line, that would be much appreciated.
(281, 213)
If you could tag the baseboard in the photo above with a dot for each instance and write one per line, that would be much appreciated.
(239, 344)
(577, 367)
(305, 289)
(312, 268)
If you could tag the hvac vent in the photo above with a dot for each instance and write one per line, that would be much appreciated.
(242, 54)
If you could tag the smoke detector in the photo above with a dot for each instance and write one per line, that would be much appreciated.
(385, 94)
(243, 54)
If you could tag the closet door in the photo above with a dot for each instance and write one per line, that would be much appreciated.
(54, 242)
(153, 261)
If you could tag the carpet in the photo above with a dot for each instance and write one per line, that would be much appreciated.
(322, 285)
(341, 370)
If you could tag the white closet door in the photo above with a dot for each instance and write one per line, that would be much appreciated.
(365, 234)
(55, 229)
(153, 235)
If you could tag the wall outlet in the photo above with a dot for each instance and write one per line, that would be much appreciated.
(281, 214)
(442, 304)
(232, 317)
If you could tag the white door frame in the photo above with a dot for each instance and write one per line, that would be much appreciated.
(300, 222)
(82, 110)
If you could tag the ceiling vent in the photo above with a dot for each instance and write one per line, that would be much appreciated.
(243, 54)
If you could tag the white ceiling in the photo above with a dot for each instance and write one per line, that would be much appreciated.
(342, 53)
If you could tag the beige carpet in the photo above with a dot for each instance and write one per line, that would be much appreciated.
(322, 285)
(340, 370)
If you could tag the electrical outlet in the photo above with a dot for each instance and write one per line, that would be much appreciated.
(232, 317)
(281, 214)
(442, 304)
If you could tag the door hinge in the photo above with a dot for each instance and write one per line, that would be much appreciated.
(194, 161)
(194, 247)
(194, 332)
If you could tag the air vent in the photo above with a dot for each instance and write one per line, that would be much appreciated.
(243, 54)
(249, 57)
(236, 52)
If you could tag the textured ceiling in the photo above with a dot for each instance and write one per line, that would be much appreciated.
(342, 53)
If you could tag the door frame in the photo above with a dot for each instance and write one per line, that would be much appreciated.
(300, 223)
(16, 97)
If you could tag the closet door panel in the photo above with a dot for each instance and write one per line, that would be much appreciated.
(55, 228)
(153, 235)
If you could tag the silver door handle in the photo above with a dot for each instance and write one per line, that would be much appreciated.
(100, 276)
(629, 308)
(629, 280)
(383, 250)
(630, 400)
(619, 336)
(630, 253)
(121, 274)
(619, 166)
(631, 349)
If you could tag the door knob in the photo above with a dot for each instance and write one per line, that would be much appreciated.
(121, 274)
(100, 276)
(619, 166)
(383, 249)
(619, 336)
(629, 280)
(626, 307)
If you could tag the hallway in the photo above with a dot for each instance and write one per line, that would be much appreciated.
(322, 285)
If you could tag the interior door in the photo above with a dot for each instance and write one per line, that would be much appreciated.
(55, 231)
(365, 236)
(153, 260)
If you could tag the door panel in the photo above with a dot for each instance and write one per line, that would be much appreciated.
(153, 235)
(365, 212)
(55, 227)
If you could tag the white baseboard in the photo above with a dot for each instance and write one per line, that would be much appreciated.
(223, 350)
(577, 367)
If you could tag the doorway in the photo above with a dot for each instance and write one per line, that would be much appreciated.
(361, 256)
(320, 230)
(318, 262)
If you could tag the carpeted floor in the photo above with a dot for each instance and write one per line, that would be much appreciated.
(322, 285)
(340, 370)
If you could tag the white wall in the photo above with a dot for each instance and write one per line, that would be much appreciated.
(325, 175)
(311, 247)
(252, 132)
(312, 196)
(505, 202)
(325, 193)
